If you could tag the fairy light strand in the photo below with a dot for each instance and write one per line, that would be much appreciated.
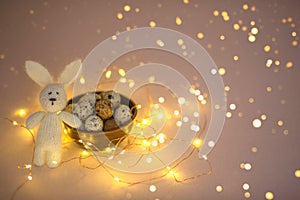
(135, 137)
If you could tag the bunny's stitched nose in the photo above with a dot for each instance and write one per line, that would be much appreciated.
(52, 100)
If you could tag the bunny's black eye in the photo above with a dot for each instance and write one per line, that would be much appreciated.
(57, 93)
(49, 93)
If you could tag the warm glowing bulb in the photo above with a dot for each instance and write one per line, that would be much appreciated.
(108, 74)
(247, 166)
(161, 99)
(256, 123)
(127, 8)
(21, 112)
(152, 23)
(122, 72)
(146, 143)
(29, 177)
(269, 195)
(178, 20)
(197, 143)
(152, 188)
(85, 153)
(116, 179)
(15, 123)
(82, 80)
(176, 113)
(146, 122)
(219, 188)
(28, 166)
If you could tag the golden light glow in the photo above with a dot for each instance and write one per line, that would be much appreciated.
(180, 42)
(254, 149)
(280, 123)
(263, 117)
(247, 195)
(297, 173)
(197, 143)
(227, 88)
(222, 71)
(121, 72)
(251, 100)
(178, 20)
(235, 58)
(152, 23)
(108, 74)
(152, 188)
(127, 8)
(232, 106)
(216, 13)
(267, 48)
(269, 196)
(146, 122)
(29, 177)
(222, 37)
(15, 123)
(219, 188)
(119, 15)
(277, 62)
(160, 43)
(245, 7)
(161, 99)
(254, 30)
(246, 186)
(21, 112)
(256, 123)
(116, 179)
(251, 38)
(85, 153)
(236, 27)
(82, 80)
(248, 166)
(269, 63)
(295, 43)
(200, 35)
(228, 114)
(289, 64)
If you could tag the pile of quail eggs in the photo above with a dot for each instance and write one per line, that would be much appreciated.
(101, 111)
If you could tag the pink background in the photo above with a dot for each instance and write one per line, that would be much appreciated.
(60, 31)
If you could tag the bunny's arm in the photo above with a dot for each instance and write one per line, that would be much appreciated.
(70, 119)
(34, 119)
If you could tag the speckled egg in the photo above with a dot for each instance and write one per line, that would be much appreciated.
(83, 109)
(90, 97)
(93, 123)
(104, 109)
(122, 115)
(113, 97)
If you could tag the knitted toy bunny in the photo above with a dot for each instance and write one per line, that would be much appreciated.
(53, 99)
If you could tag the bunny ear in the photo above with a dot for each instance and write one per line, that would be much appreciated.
(70, 73)
(38, 73)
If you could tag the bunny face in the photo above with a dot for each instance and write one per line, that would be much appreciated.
(53, 98)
